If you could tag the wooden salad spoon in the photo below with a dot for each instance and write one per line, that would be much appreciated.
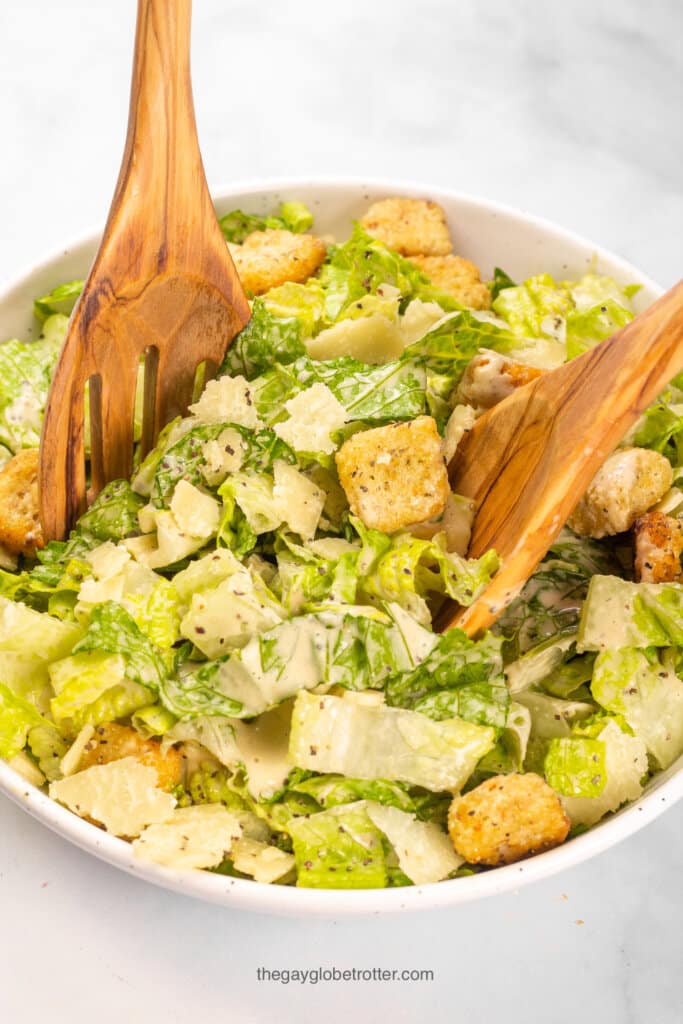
(527, 462)
(162, 288)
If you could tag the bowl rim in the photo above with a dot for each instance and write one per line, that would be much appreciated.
(244, 894)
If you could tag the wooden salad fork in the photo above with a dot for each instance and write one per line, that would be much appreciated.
(527, 462)
(162, 288)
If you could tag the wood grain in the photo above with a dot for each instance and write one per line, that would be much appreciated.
(527, 462)
(162, 283)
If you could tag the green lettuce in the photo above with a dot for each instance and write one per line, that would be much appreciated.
(332, 790)
(17, 718)
(374, 394)
(292, 216)
(26, 370)
(93, 687)
(334, 734)
(575, 766)
(185, 459)
(361, 265)
(619, 614)
(549, 607)
(459, 678)
(303, 302)
(267, 339)
(661, 426)
(112, 630)
(338, 849)
(621, 763)
(197, 694)
(643, 686)
(61, 300)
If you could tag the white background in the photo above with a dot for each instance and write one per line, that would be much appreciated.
(571, 111)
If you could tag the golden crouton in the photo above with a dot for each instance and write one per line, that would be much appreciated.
(396, 475)
(490, 377)
(20, 530)
(506, 818)
(629, 483)
(267, 259)
(457, 277)
(658, 548)
(409, 226)
(111, 742)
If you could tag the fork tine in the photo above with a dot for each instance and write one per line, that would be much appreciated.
(61, 476)
(175, 389)
(117, 423)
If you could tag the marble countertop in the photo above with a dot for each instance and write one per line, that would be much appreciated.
(567, 111)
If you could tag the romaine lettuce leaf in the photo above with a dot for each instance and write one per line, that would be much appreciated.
(625, 765)
(575, 766)
(332, 790)
(112, 630)
(292, 216)
(25, 373)
(338, 849)
(661, 426)
(25, 631)
(550, 604)
(186, 458)
(642, 686)
(361, 265)
(334, 734)
(459, 678)
(17, 719)
(267, 339)
(61, 300)
(618, 613)
(93, 687)
(303, 302)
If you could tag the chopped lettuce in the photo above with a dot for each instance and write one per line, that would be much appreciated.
(622, 759)
(93, 687)
(338, 849)
(292, 216)
(459, 678)
(268, 338)
(549, 607)
(642, 686)
(61, 300)
(333, 734)
(112, 630)
(619, 614)
(290, 303)
(17, 718)
(572, 315)
(575, 766)
(25, 373)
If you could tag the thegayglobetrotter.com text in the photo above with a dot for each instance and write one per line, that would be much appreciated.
(315, 975)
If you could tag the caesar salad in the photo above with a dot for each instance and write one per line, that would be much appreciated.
(230, 662)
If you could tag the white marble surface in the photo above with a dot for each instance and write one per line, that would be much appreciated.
(571, 111)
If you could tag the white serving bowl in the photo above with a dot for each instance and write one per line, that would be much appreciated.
(490, 235)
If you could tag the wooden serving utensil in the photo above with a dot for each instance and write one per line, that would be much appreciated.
(527, 462)
(163, 286)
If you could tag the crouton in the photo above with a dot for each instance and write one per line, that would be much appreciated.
(490, 377)
(395, 475)
(629, 483)
(658, 548)
(410, 226)
(457, 277)
(20, 530)
(111, 742)
(270, 258)
(507, 818)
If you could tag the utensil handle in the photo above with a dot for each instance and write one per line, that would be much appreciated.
(161, 163)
